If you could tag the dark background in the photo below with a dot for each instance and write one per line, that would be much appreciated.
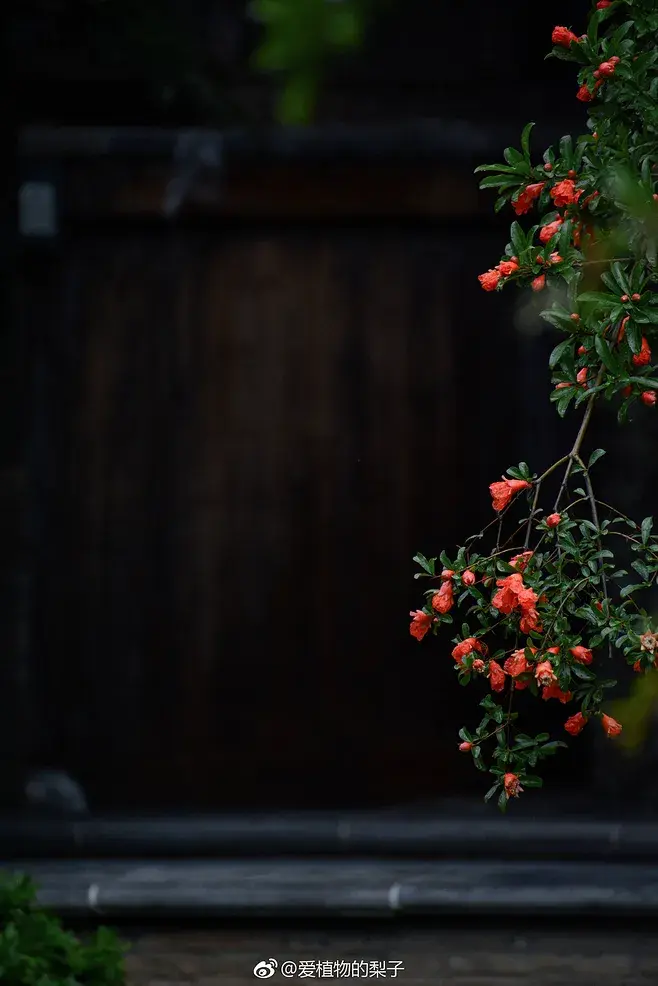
(225, 435)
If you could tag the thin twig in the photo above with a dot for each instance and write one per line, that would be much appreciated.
(575, 451)
(595, 520)
(538, 482)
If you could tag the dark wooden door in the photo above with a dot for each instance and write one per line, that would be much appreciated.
(258, 431)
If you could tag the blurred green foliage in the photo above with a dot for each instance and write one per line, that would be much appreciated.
(35, 950)
(298, 36)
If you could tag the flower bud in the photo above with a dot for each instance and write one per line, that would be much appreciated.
(648, 397)
(465, 747)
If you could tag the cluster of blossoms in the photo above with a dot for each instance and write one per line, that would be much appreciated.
(543, 607)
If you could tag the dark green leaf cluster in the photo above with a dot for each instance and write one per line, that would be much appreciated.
(35, 950)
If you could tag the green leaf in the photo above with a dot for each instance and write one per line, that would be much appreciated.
(499, 181)
(565, 398)
(646, 317)
(513, 157)
(600, 298)
(553, 746)
(634, 336)
(646, 528)
(530, 780)
(517, 238)
(560, 318)
(492, 790)
(583, 673)
(559, 352)
(502, 801)
(503, 168)
(597, 454)
(425, 563)
(627, 590)
(605, 353)
(620, 277)
(641, 570)
(525, 140)
(566, 150)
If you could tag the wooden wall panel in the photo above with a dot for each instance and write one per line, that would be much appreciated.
(260, 431)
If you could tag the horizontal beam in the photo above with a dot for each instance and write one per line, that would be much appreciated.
(362, 834)
(411, 140)
(377, 888)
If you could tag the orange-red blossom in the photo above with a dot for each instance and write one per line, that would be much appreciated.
(512, 785)
(610, 726)
(514, 595)
(444, 599)
(575, 724)
(420, 623)
(467, 646)
(504, 491)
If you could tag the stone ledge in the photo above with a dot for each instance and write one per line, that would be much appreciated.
(354, 888)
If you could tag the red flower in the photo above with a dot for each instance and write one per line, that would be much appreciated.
(644, 355)
(504, 491)
(602, 4)
(606, 68)
(637, 667)
(575, 724)
(468, 577)
(648, 397)
(563, 385)
(447, 573)
(627, 391)
(512, 786)
(420, 623)
(507, 267)
(548, 231)
(610, 726)
(525, 198)
(465, 647)
(516, 664)
(529, 621)
(590, 198)
(581, 376)
(555, 258)
(544, 673)
(478, 665)
(506, 599)
(554, 691)
(465, 747)
(520, 562)
(539, 283)
(582, 655)
(564, 193)
(563, 36)
(513, 595)
(443, 600)
(553, 520)
(489, 280)
(496, 676)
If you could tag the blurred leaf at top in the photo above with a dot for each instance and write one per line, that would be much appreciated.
(298, 37)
